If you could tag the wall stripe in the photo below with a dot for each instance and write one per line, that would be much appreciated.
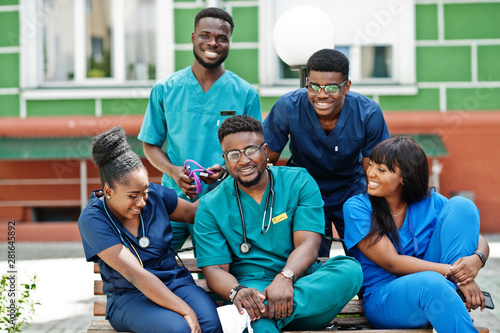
(10, 49)
(9, 91)
(458, 42)
(12, 8)
(442, 98)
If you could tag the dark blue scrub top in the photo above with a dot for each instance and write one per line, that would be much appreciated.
(334, 160)
(98, 234)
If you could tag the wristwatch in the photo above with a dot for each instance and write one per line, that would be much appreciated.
(235, 290)
(481, 256)
(288, 274)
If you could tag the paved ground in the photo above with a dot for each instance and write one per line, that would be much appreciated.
(65, 283)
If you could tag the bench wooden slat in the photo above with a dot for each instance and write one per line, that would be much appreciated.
(99, 308)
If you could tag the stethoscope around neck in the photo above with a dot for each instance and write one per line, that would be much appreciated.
(143, 241)
(245, 247)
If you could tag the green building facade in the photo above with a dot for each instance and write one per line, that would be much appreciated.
(456, 65)
(428, 59)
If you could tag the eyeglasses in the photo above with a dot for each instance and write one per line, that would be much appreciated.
(251, 152)
(330, 89)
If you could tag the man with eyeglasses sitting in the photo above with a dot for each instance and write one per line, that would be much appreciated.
(258, 235)
(332, 132)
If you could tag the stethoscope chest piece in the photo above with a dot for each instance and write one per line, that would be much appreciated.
(245, 247)
(144, 242)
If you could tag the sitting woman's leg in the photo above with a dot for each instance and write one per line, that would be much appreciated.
(203, 305)
(416, 300)
(141, 315)
(456, 234)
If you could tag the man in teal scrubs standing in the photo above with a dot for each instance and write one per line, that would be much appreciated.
(258, 236)
(186, 109)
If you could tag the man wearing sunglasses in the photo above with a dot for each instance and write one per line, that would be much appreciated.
(332, 132)
(185, 110)
(258, 235)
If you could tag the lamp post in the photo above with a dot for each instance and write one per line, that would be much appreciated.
(299, 32)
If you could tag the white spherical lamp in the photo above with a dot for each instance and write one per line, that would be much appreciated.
(300, 31)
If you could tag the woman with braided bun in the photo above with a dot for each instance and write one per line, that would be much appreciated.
(126, 229)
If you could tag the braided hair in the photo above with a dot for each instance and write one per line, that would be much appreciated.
(113, 157)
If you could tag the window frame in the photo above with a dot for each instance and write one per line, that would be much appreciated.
(32, 75)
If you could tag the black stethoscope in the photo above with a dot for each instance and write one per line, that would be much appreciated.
(245, 247)
(143, 241)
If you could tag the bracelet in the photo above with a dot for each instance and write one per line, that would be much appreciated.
(235, 290)
(481, 256)
(224, 175)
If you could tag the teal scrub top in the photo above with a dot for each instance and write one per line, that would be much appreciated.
(219, 233)
(188, 118)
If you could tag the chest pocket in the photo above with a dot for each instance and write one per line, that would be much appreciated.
(282, 225)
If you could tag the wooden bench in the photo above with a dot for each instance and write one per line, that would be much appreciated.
(351, 315)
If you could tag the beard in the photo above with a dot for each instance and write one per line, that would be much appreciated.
(208, 65)
(253, 182)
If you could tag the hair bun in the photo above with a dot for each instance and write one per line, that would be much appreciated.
(108, 146)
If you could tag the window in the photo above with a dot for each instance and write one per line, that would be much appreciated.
(108, 40)
(377, 36)
(85, 43)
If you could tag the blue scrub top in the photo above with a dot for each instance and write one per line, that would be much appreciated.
(188, 118)
(334, 160)
(99, 234)
(219, 232)
(419, 224)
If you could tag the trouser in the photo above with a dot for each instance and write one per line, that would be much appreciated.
(141, 315)
(415, 300)
(318, 297)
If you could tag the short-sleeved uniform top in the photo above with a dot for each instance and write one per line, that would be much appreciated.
(98, 234)
(219, 233)
(334, 160)
(415, 233)
(188, 118)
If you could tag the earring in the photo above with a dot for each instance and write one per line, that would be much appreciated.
(402, 183)
(108, 197)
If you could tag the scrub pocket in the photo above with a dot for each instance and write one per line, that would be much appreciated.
(284, 227)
